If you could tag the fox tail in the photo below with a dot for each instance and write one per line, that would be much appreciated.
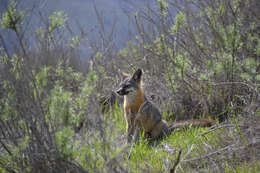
(191, 123)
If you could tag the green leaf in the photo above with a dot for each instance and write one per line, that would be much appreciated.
(180, 22)
(245, 76)
(12, 17)
(258, 77)
(57, 20)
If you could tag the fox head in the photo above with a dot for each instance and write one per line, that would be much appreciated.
(130, 84)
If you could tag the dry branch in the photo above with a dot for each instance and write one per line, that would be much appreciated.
(174, 168)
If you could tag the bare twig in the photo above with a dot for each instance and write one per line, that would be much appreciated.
(218, 127)
(6, 148)
(210, 154)
(232, 147)
(239, 83)
(174, 168)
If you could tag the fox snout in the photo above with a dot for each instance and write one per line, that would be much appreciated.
(122, 92)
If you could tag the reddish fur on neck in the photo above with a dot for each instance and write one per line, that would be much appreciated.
(138, 101)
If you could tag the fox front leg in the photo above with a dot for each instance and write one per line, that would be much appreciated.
(137, 129)
(130, 126)
(130, 133)
(136, 135)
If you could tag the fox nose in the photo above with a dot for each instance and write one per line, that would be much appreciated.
(119, 92)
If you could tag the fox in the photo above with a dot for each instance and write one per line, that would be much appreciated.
(142, 116)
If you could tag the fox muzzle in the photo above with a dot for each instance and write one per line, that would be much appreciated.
(122, 92)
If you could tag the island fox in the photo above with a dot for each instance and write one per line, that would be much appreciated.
(142, 116)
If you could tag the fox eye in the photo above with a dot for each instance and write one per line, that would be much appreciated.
(126, 86)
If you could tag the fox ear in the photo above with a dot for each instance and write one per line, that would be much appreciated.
(125, 75)
(137, 75)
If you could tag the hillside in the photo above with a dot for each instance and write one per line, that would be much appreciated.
(58, 107)
(82, 14)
